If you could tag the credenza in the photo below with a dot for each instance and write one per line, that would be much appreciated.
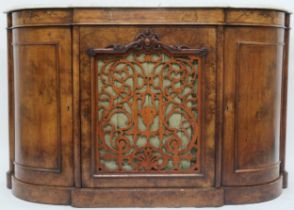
(147, 107)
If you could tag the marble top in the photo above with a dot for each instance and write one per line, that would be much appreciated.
(248, 4)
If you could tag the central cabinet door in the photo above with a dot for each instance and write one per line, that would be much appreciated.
(147, 106)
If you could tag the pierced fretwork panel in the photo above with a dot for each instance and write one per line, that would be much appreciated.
(147, 110)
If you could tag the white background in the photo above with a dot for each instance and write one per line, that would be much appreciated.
(8, 201)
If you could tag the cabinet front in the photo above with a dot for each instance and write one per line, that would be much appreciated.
(147, 106)
(157, 107)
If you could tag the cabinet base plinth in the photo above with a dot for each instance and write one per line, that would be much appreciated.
(253, 194)
(40, 193)
(146, 197)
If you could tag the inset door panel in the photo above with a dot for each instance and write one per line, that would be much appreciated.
(42, 86)
(148, 108)
(252, 140)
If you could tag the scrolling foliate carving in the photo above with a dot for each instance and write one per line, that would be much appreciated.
(147, 107)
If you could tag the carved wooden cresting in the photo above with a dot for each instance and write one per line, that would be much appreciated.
(147, 107)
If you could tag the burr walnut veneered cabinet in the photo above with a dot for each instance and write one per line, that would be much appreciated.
(117, 107)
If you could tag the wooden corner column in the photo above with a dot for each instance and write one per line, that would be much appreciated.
(147, 107)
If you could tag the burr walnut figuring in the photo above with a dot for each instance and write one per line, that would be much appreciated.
(147, 107)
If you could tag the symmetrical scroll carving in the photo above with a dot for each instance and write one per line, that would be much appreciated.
(147, 107)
